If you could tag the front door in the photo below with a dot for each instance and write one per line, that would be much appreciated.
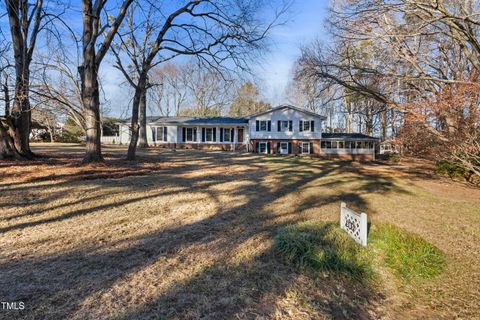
(283, 148)
(240, 135)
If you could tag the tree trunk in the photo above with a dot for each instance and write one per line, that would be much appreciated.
(393, 122)
(135, 127)
(6, 94)
(21, 113)
(383, 125)
(142, 120)
(91, 101)
(349, 117)
(7, 145)
(52, 135)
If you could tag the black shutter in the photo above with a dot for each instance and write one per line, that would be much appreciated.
(203, 134)
(312, 125)
(154, 135)
(290, 126)
(165, 134)
(221, 134)
(269, 125)
(257, 125)
(195, 134)
(289, 147)
(278, 147)
(184, 134)
(311, 147)
(268, 147)
(300, 124)
(215, 134)
(232, 135)
(256, 147)
(279, 126)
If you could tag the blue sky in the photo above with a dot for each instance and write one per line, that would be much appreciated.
(274, 72)
(306, 24)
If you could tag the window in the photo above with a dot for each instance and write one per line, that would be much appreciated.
(334, 144)
(305, 125)
(209, 136)
(227, 135)
(341, 145)
(304, 147)
(284, 125)
(161, 134)
(283, 148)
(191, 134)
(359, 145)
(262, 147)
(263, 125)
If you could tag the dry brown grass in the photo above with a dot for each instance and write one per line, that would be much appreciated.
(188, 235)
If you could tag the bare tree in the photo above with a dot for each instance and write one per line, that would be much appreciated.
(92, 56)
(169, 90)
(44, 116)
(405, 58)
(209, 91)
(57, 84)
(26, 22)
(214, 32)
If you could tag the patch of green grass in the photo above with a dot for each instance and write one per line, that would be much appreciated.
(408, 255)
(324, 246)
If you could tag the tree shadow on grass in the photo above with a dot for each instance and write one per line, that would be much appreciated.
(61, 285)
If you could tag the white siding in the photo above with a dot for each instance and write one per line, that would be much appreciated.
(171, 133)
(124, 132)
(285, 114)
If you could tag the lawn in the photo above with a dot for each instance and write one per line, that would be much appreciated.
(189, 234)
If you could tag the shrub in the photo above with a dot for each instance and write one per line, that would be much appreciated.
(449, 168)
(323, 246)
(393, 157)
(67, 137)
(408, 255)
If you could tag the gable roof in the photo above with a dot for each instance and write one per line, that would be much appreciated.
(347, 136)
(218, 120)
(288, 106)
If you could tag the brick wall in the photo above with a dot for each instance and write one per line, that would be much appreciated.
(203, 146)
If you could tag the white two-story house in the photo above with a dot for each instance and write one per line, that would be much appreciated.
(282, 130)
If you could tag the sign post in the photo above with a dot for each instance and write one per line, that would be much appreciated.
(354, 224)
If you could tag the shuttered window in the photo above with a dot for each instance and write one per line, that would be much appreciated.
(264, 125)
(305, 125)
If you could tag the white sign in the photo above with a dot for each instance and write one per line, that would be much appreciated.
(354, 224)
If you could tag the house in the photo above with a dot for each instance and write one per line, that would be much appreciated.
(282, 130)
